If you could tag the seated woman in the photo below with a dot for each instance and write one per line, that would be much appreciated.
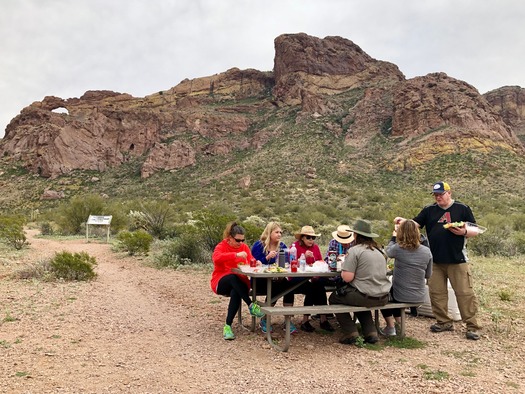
(228, 254)
(413, 265)
(266, 250)
(364, 271)
(342, 240)
(314, 291)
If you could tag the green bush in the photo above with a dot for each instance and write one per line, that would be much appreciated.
(72, 215)
(135, 242)
(46, 228)
(12, 231)
(186, 249)
(73, 266)
(210, 224)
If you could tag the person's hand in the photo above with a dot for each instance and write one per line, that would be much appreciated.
(398, 220)
(271, 255)
(309, 253)
(461, 231)
(242, 255)
(259, 263)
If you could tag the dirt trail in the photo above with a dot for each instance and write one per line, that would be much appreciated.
(136, 329)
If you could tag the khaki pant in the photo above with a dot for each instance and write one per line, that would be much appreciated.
(460, 278)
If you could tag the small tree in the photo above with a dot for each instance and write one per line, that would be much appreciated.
(12, 231)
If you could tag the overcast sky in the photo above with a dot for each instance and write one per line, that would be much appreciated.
(66, 47)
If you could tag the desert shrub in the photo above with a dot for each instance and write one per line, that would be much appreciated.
(518, 222)
(72, 215)
(186, 249)
(46, 228)
(497, 243)
(210, 223)
(152, 217)
(135, 242)
(73, 266)
(12, 231)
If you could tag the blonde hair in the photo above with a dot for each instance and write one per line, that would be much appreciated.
(408, 235)
(265, 236)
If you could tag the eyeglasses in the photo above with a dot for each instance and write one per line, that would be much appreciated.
(438, 194)
(238, 240)
(310, 236)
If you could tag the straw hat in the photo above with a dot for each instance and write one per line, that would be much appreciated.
(343, 234)
(364, 227)
(306, 230)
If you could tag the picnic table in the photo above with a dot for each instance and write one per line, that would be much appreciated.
(287, 312)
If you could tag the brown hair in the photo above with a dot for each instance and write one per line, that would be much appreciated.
(232, 229)
(408, 235)
(370, 243)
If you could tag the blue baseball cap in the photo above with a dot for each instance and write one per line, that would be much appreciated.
(440, 187)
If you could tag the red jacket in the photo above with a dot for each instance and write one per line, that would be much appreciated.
(224, 259)
(302, 249)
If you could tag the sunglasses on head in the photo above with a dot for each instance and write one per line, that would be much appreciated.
(310, 236)
(238, 240)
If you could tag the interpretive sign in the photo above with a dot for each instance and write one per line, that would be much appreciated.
(98, 220)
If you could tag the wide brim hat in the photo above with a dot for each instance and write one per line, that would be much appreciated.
(343, 234)
(364, 227)
(306, 230)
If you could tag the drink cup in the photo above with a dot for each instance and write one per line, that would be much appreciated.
(293, 266)
(253, 262)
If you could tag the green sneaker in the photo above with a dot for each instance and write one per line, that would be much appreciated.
(255, 310)
(227, 333)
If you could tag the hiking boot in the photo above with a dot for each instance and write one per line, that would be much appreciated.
(325, 325)
(307, 327)
(389, 331)
(262, 325)
(440, 327)
(227, 333)
(255, 310)
(348, 339)
(473, 335)
(371, 339)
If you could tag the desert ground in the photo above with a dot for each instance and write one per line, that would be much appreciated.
(138, 329)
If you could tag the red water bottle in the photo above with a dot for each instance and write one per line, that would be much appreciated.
(253, 262)
(293, 266)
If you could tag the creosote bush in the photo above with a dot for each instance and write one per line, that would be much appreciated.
(12, 231)
(73, 266)
(135, 242)
(64, 265)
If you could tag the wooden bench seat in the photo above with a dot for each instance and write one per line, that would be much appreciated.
(289, 311)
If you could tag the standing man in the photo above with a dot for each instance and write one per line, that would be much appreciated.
(448, 247)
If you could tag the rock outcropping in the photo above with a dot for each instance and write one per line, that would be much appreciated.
(330, 80)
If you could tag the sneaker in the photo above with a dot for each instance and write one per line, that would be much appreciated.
(325, 325)
(293, 329)
(315, 317)
(262, 324)
(371, 339)
(307, 327)
(255, 310)
(473, 335)
(389, 331)
(227, 333)
(440, 327)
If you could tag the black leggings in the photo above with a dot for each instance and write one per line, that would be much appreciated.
(232, 286)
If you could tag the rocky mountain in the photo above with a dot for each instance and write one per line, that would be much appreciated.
(329, 81)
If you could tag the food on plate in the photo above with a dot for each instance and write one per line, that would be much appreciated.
(454, 224)
(275, 268)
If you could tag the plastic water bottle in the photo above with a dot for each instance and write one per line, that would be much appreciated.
(302, 263)
(293, 253)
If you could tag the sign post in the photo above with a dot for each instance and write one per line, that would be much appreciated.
(98, 221)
